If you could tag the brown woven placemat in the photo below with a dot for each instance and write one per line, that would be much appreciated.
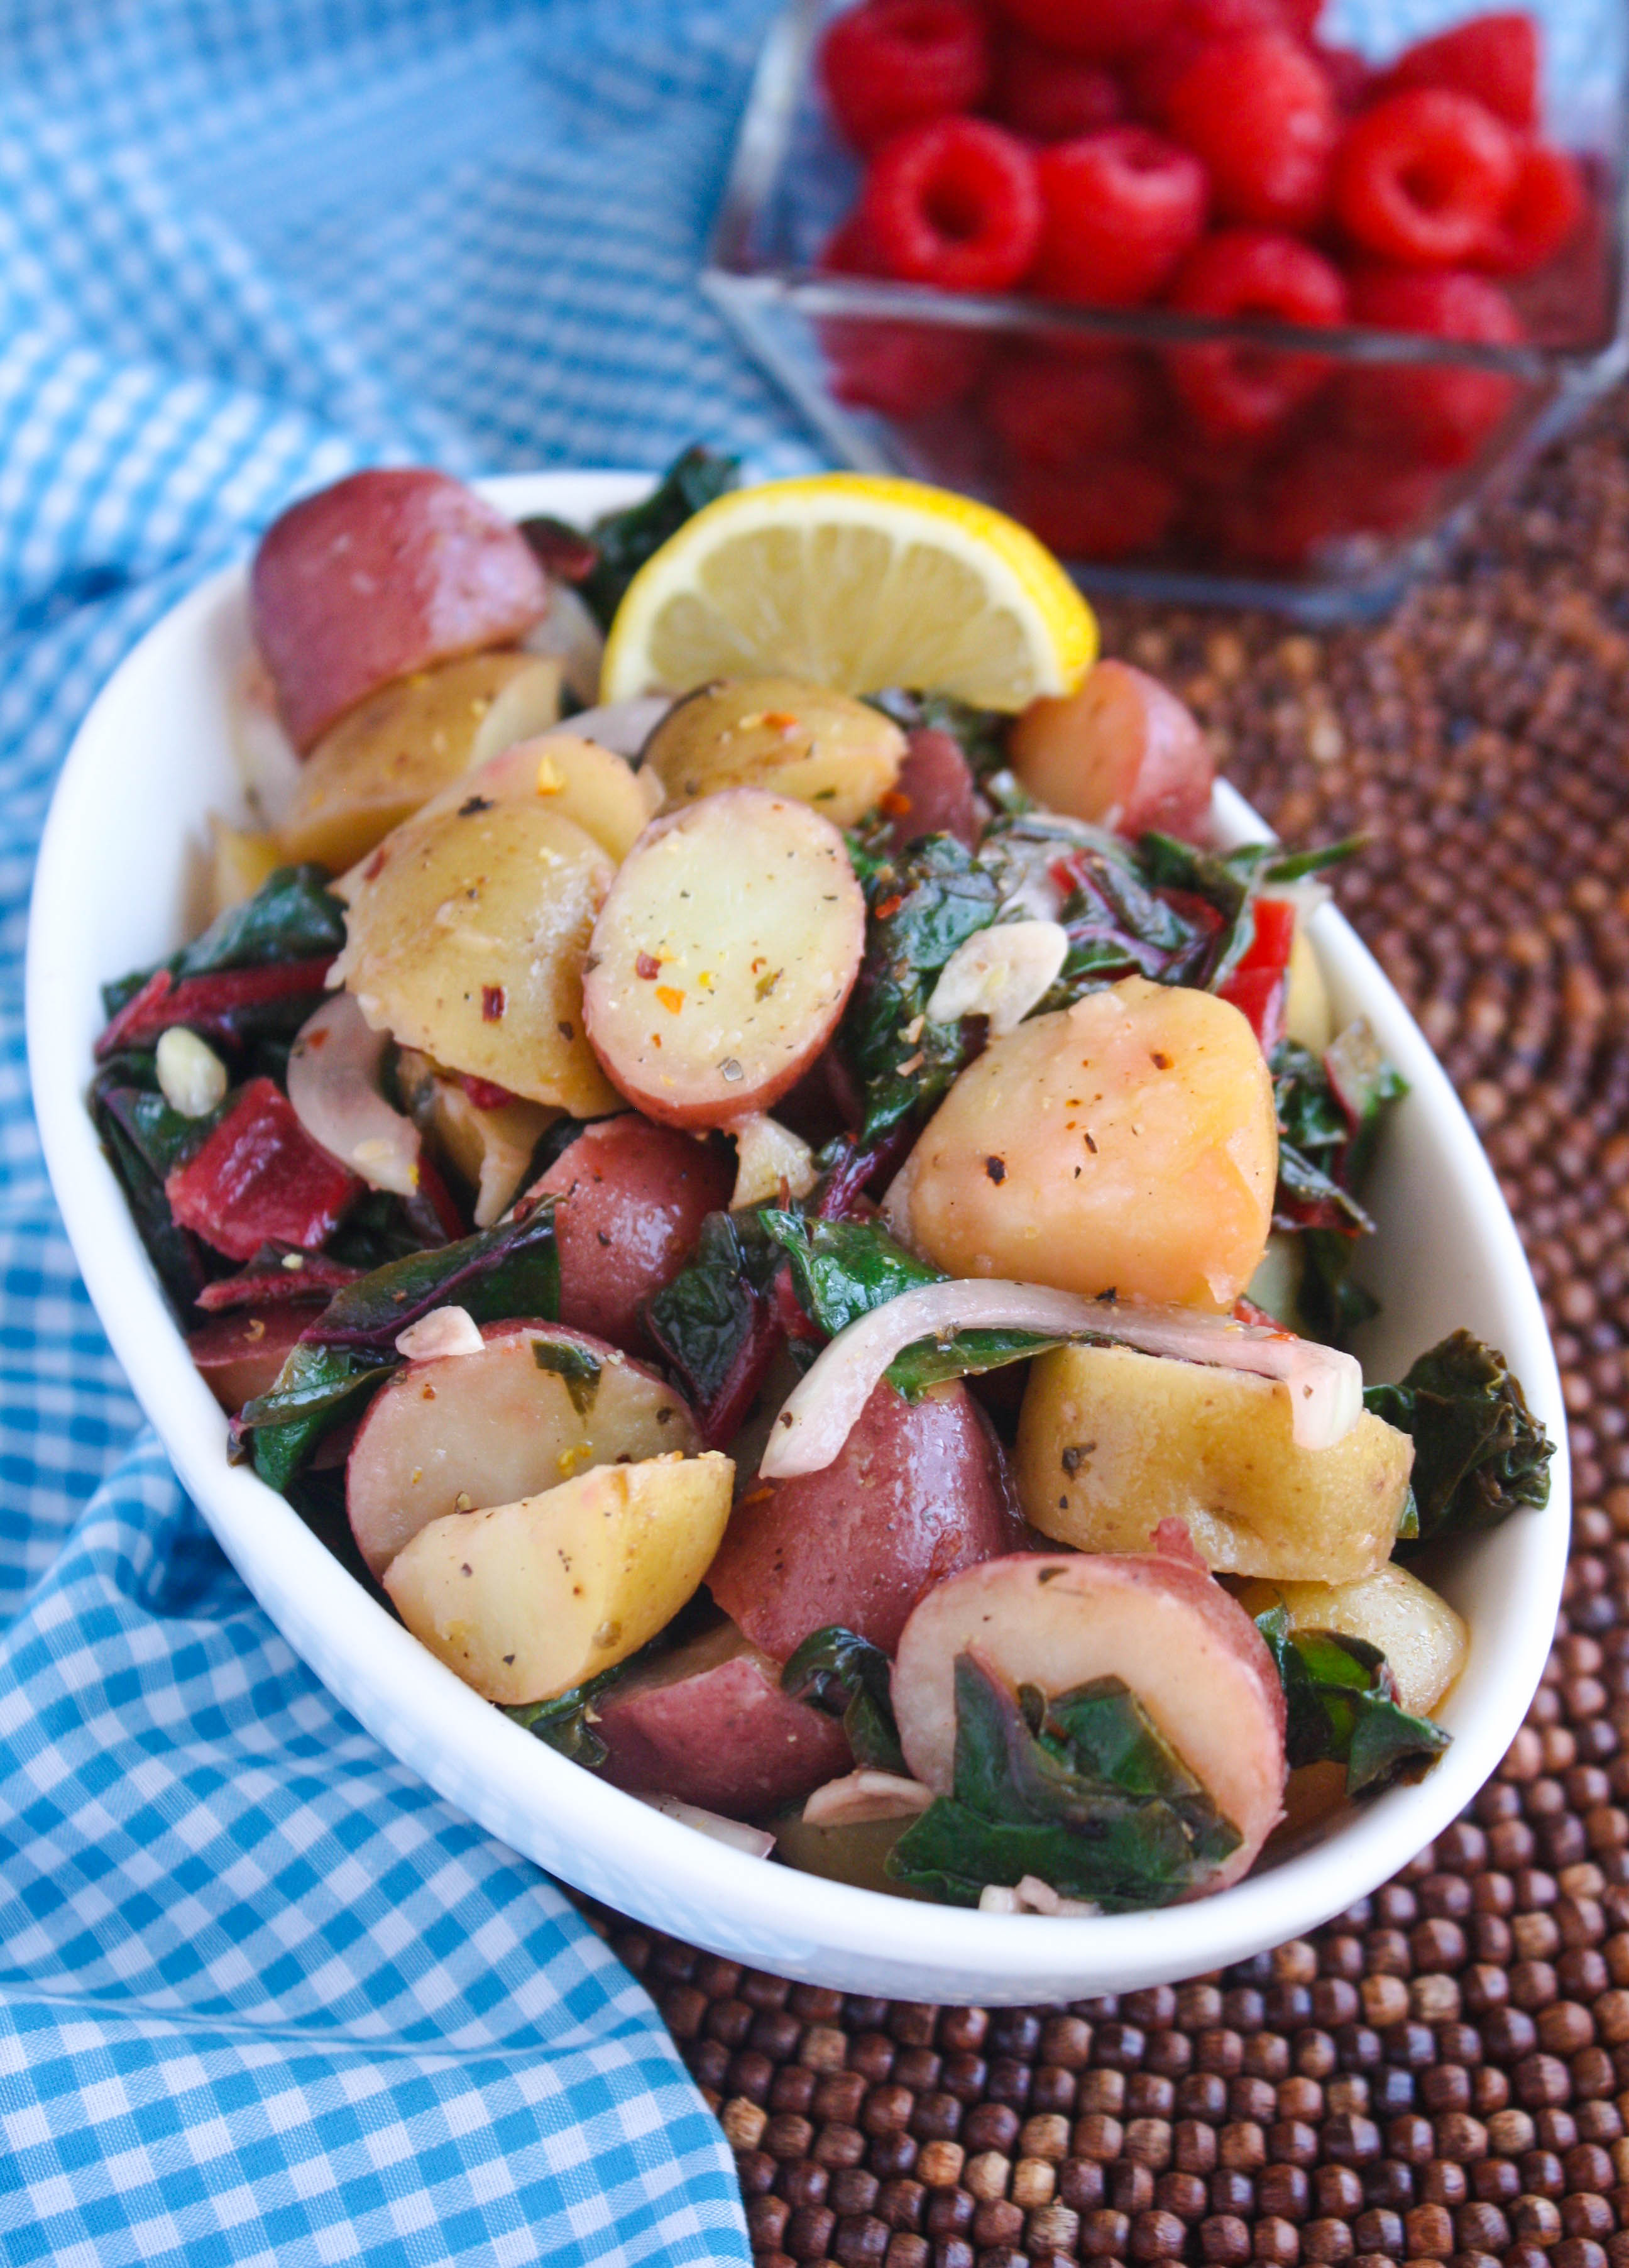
(1442, 2072)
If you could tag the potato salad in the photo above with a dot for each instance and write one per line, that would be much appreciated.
(803, 1237)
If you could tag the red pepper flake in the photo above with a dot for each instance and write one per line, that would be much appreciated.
(485, 1093)
(375, 866)
(889, 905)
(672, 999)
(648, 967)
(896, 805)
(492, 1003)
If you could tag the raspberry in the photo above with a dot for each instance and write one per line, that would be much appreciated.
(1440, 414)
(1261, 114)
(1102, 508)
(1238, 390)
(957, 204)
(1100, 29)
(1323, 492)
(1121, 210)
(1494, 58)
(1050, 96)
(902, 370)
(894, 63)
(1051, 409)
(1544, 206)
(1349, 75)
(1423, 178)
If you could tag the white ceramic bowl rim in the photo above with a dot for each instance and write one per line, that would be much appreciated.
(159, 718)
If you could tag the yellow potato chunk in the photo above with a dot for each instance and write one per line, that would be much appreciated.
(577, 779)
(800, 740)
(464, 938)
(389, 755)
(526, 1599)
(240, 862)
(1423, 1640)
(1127, 1144)
(1111, 1442)
(1308, 1016)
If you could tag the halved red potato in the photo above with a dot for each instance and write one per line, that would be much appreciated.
(1121, 751)
(538, 1404)
(1127, 1144)
(709, 1724)
(1168, 1631)
(934, 793)
(240, 1353)
(631, 1197)
(392, 753)
(385, 573)
(464, 938)
(916, 1492)
(525, 1600)
(722, 956)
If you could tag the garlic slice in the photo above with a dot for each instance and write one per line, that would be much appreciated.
(1000, 973)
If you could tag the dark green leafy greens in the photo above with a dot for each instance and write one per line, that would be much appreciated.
(623, 541)
(1479, 1453)
(1330, 1113)
(563, 1723)
(510, 1271)
(979, 734)
(136, 1140)
(922, 905)
(1342, 1705)
(293, 915)
(1081, 1791)
(574, 1365)
(316, 1387)
(713, 1322)
(846, 1676)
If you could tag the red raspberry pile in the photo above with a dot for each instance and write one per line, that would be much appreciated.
(1213, 157)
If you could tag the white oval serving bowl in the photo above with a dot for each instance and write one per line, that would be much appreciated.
(113, 893)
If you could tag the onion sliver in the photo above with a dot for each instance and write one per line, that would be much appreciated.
(756, 1842)
(622, 726)
(860, 1796)
(1326, 1387)
(333, 1086)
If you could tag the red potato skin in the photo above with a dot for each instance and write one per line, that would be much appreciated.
(1121, 752)
(916, 1492)
(712, 1726)
(240, 1354)
(934, 793)
(381, 574)
(631, 1199)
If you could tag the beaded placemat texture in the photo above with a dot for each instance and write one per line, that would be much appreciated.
(1442, 2072)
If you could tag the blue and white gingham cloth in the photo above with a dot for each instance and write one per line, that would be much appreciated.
(263, 1997)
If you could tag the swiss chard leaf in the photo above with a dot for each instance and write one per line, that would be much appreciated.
(314, 1391)
(510, 1271)
(577, 1369)
(1479, 1453)
(564, 1723)
(177, 1255)
(926, 1363)
(1364, 1085)
(625, 539)
(1342, 1707)
(293, 915)
(1083, 1791)
(842, 1269)
(922, 905)
(846, 1676)
(713, 1323)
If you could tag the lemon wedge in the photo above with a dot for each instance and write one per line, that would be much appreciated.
(857, 581)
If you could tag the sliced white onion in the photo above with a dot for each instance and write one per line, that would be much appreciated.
(1326, 1387)
(1000, 973)
(443, 1331)
(622, 726)
(570, 634)
(756, 1842)
(767, 1154)
(333, 1086)
(862, 1796)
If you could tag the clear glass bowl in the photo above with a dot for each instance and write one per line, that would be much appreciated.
(1335, 514)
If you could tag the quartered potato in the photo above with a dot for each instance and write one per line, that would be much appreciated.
(823, 749)
(490, 1144)
(536, 1406)
(1127, 1144)
(1169, 1631)
(464, 938)
(391, 753)
(240, 862)
(1423, 1640)
(723, 956)
(1111, 1442)
(526, 1599)
(1308, 1016)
